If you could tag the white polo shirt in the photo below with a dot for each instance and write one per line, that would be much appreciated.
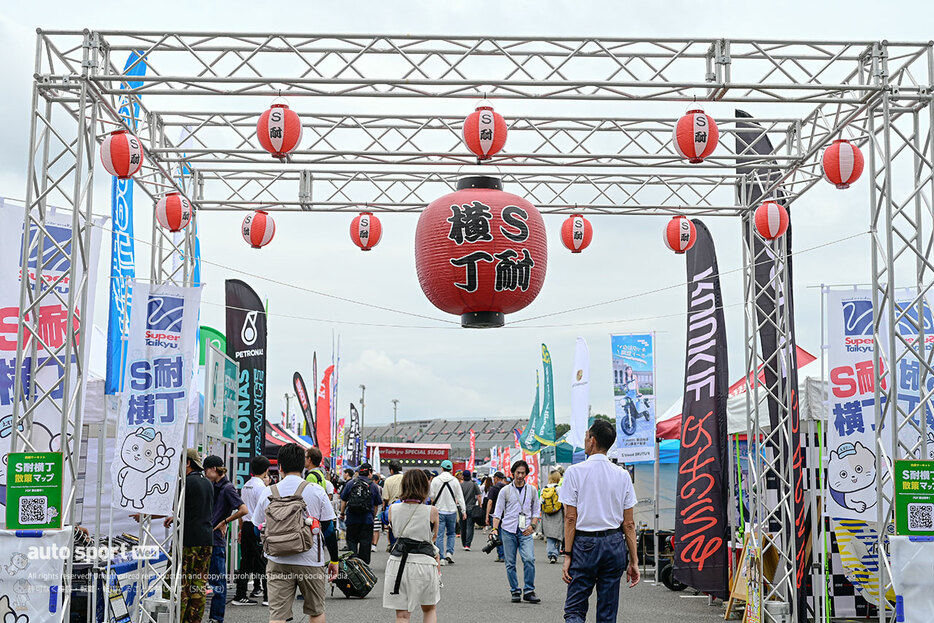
(600, 491)
(250, 494)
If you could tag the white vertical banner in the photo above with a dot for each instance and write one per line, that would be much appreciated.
(580, 394)
(151, 430)
(53, 321)
(374, 460)
(30, 583)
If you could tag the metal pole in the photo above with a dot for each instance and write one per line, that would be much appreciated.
(395, 408)
(658, 459)
(362, 405)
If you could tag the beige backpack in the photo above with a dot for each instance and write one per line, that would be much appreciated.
(285, 532)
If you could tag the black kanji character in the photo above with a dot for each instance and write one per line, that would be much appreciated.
(512, 275)
(700, 137)
(470, 261)
(470, 222)
(486, 135)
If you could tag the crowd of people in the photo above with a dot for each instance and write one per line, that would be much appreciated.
(291, 524)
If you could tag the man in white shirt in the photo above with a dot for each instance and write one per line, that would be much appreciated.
(306, 570)
(517, 513)
(252, 561)
(447, 496)
(598, 498)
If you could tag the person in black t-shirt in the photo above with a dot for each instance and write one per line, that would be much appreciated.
(499, 481)
(198, 539)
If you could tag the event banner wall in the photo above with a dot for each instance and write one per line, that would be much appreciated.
(33, 565)
(220, 396)
(151, 429)
(634, 396)
(246, 344)
(53, 316)
(701, 528)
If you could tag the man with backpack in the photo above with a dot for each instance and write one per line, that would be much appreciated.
(315, 475)
(553, 517)
(447, 496)
(360, 502)
(299, 539)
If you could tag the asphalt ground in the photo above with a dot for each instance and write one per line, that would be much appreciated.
(475, 591)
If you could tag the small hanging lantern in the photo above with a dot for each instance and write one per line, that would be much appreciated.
(680, 234)
(279, 130)
(365, 231)
(122, 154)
(258, 229)
(842, 163)
(173, 212)
(695, 135)
(576, 233)
(484, 132)
(771, 220)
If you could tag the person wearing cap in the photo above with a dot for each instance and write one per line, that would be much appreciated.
(447, 496)
(360, 521)
(228, 507)
(198, 540)
(598, 500)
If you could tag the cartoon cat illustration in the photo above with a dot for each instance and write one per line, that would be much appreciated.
(18, 562)
(851, 473)
(143, 455)
(21, 588)
(8, 614)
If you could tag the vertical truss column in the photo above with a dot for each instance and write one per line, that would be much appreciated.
(769, 449)
(901, 144)
(52, 344)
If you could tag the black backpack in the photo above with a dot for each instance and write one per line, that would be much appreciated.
(360, 501)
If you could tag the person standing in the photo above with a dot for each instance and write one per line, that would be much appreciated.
(553, 517)
(252, 561)
(303, 570)
(598, 500)
(447, 496)
(514, 520)
(392, 491)
(360, 501)
(198, 539)
(228, 507)
(412, 572)
(315, 474)
(472, 498)
(378, 517)
(499, 481)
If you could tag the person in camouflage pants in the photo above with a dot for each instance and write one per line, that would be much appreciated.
(195, 563)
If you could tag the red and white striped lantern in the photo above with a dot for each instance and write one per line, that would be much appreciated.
(680, 234)
(122, 154)
(695, 135)
(173, 212)
(365, 231)
(279, 130)
(576, 233)
(771, 220)
(484, 132)
(258, 229)
(843, 163)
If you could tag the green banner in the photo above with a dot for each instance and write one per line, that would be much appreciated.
(209, 335)
(527, 439)
(544, 430)
(914, 498)
(34, 491)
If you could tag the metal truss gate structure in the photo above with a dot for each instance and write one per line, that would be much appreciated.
(203, 91)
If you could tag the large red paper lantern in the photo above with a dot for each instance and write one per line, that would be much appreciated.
(173, 212)
(695, 135)
(771, 220)
(122, 154)
(576, 233)
(843, 163)
(680, 234)
(258, 229)
(279, 130)
(484, 132)
(480, 252)
(365, 231)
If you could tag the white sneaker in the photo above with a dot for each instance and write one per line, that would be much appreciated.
(373, 548)
(444, 562)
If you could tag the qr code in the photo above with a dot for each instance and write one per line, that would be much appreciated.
(921, 516)
(33, 509)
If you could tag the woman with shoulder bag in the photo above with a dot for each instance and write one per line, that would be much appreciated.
(413, 576)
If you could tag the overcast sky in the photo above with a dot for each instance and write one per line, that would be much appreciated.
(443, 371)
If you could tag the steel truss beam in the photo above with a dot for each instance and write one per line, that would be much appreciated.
(875, 93)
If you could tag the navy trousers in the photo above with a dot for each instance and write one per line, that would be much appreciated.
(595, 561)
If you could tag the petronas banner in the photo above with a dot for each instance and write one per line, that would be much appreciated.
(544, 430)
(527, 439)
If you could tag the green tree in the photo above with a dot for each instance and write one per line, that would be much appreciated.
(561, 429)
